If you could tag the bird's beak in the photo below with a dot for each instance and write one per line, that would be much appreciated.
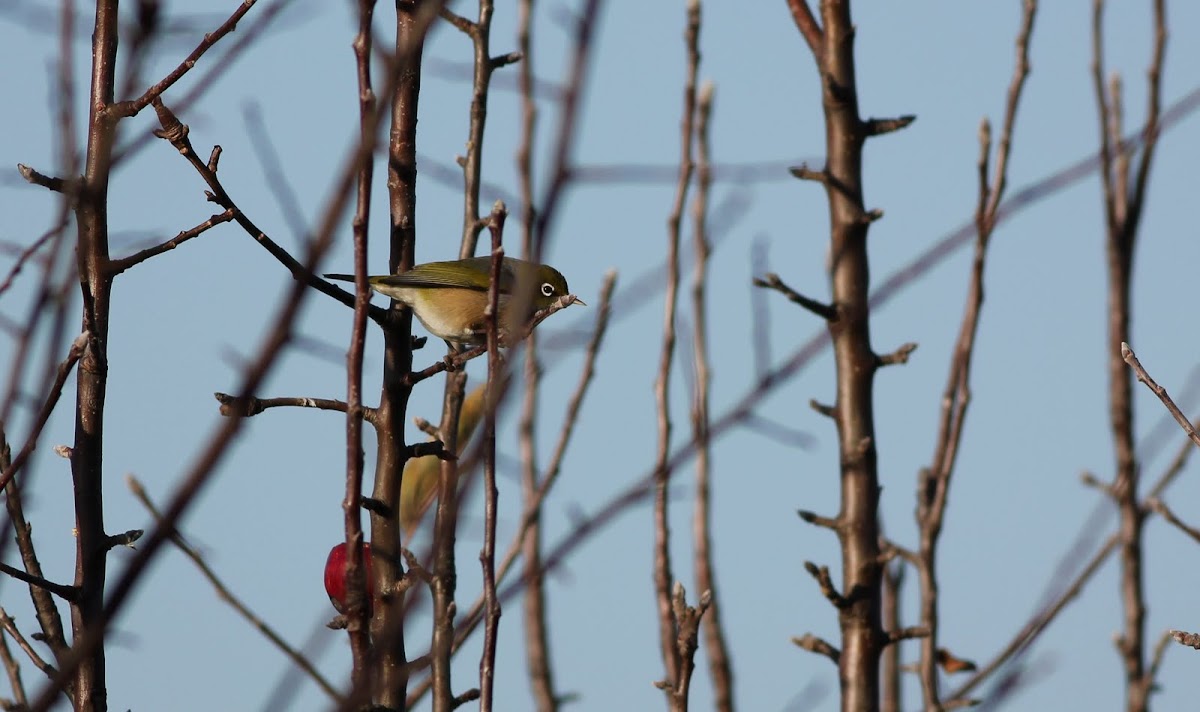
(580, 302)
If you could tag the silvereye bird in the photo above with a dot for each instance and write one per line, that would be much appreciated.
(450, 298)
(418, 488)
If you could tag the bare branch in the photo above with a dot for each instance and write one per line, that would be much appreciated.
(1157, 505)
(821, 574)
(877, 127)
(820, 646)
(772, 281)
(1131, 358)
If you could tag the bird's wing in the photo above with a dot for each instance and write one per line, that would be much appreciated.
(451, 274)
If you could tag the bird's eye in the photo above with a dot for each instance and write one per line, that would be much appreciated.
(547, 289)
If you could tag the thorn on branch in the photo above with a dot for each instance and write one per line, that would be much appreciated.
(505, 59)
(772, 281)
(821, 574)
(240, 407)
(817, 520)
(826, 410)
(418, 342)
(898, 356)
(870, 216)
(876, 127)
(375, 506)
(125, 539)
(58, 185)
(820, 646)
(468, 696)
(427, 427)
(803, 172)
(1090, 480)
(214, 158)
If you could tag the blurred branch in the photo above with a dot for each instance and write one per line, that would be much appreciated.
(229, 597)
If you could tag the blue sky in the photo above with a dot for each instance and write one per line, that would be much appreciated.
(183, 322)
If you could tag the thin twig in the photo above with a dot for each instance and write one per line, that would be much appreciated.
(1131, 358)
(934, 486)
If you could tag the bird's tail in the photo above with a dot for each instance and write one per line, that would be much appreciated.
(340, 277)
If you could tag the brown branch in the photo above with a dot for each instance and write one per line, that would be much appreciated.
(1160, 507)
(249, 406)
(934, 487)
(13, 669)
(58, 185)
(899, 356)
(176, 133)
(359, 604)
(487, 557)
(10, 626)
(43, 415)
(131, 108)
(118, 266)
(44, 606)
(715, 645)
(809, 29)
(820, 646)
(67, 593)
(667, 625)
(817, 520)
(821, 575)
(1131, 358)
(225, 594)
(878, 127)
(772, 281)
(1192, 640)
(803, 172)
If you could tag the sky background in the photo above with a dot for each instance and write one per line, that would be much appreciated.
(183, 323)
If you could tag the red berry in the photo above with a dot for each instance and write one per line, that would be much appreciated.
(335, 576)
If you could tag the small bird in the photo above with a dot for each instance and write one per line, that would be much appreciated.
(451, 298)
(335, 576)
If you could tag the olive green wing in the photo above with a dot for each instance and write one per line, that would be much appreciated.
(471, 273)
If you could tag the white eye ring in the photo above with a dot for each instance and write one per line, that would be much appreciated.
(547, 289)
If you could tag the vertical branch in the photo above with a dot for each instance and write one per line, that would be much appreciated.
(858, 530)
(1123, 209)
(487, 663)
(934, 488)
(893, 693)
(356, 600)
(537, 636)
(662, 383)
(715, 646)
(387, 624)
(480, 33)
(87, 455)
